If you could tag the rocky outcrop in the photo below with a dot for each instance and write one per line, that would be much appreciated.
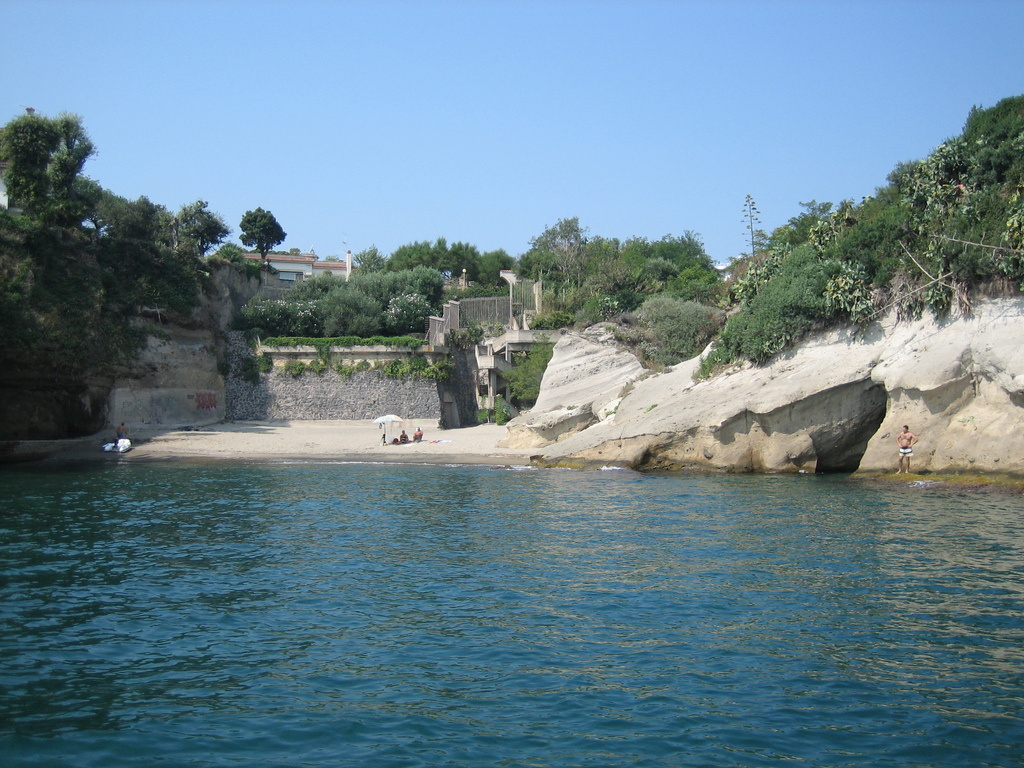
(582, 385)
(833, 403)
(175, 380)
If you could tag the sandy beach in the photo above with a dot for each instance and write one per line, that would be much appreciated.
(323, 441)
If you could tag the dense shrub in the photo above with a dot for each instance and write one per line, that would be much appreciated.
(679, 329)
(783, 310)
(371, 303)
(407, 313)
(348, 312)
(552, 321)
(527, 372)
(268, 316)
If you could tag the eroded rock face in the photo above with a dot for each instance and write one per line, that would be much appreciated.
(834, 403)
(174, 380)
(581, 385)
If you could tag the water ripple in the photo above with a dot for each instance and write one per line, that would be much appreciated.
(312, 615)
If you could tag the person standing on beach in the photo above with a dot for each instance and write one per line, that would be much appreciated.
(905, 440)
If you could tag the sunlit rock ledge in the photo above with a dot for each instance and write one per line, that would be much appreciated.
(833, 403)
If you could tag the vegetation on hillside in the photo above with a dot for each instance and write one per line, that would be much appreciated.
(941, 231)
(78, 259)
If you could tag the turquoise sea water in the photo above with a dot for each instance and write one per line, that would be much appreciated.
(363, 615)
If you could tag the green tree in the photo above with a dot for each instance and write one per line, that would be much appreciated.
(232, 252)
(142, 268)
(261, 231)
(195, 230)
(449, 260)
(491, 264)
(371, 260)
(565, 245)
(45, 158)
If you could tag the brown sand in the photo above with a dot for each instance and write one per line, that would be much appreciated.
(326, 440)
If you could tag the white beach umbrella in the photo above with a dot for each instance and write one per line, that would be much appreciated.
(383, 422)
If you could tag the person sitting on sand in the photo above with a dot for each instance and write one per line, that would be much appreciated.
(122, 432)
(417, 435)
(403, 438)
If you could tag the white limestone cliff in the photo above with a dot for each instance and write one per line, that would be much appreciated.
(834, 402)
(581, 386)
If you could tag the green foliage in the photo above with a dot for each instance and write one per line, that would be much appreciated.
(552, 321)
(234, 254)
(475, 291)
(996, 135)
(465, 338)
(142, 269)
(784, 309)
(370, 260)
(79, 263)
(327, 306)
(417, 367)
(281, 316)
(293, 368)
(350, 312)
(195, 230)
(525, 376)
(501, 411)
(45, 159)
(401, 342)
(848, 291)
(407, 313)
(713, 362)
(797, 230)
(252, 367)
(679, 329)
(382, 286)
(759, 270)
(447, 260)
(491, 264)
(260, 230)
(593, 278)
(941, 226)
(565, 247)
(598, 308)
(869, 235)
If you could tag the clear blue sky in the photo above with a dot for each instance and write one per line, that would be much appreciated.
(383, 123)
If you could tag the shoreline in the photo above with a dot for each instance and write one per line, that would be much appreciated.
(358, 442)
(338, 441)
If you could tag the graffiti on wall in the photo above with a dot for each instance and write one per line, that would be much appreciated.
(206, 401)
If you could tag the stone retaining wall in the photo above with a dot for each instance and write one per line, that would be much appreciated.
(329, 395)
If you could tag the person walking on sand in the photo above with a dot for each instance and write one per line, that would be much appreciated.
(905, 440)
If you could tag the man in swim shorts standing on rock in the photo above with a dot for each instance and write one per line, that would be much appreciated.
(905, 440)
